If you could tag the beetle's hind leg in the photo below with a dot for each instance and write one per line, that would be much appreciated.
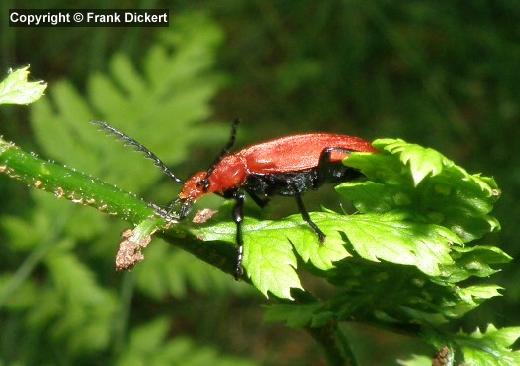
(326, 154)
(307, 218)
(330, 171)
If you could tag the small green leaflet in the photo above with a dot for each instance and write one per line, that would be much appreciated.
(16, 89)
(268, 255)
(493, 347)
(474, 261)
(422, 161)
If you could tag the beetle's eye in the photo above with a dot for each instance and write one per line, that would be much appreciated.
(204, 184)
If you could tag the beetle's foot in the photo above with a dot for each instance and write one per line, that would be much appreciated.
(239, 271)
(321, 237)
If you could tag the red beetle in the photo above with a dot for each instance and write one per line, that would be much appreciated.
(286, 166)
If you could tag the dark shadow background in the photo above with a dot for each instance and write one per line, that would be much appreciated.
(442, 74)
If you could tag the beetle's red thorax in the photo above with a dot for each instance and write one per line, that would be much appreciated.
(230, 172)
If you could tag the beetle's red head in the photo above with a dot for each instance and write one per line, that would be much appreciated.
(194, 187)
(191, 191)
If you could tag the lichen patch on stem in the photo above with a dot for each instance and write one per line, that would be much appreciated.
(59, 192)
(129, 253)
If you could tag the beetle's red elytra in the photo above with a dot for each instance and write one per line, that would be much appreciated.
(286, 166)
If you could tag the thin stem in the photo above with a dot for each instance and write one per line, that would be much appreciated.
(337, 351)
(24, 271)
(37, 255)
(121, 326)
(324, 336)
(348, 353)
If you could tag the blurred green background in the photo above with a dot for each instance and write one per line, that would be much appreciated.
(439, 73)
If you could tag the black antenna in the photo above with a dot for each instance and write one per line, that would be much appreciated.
(137, 147)
(223, 152)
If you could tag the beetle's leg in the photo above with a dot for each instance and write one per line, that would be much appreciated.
(307, 218)
(223, 152)
(261, 202)
(327, 152)
(334, 172)
(238, 218)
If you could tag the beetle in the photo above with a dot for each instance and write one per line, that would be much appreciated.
(286, 166)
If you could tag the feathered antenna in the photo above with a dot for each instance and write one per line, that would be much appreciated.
(139, 148)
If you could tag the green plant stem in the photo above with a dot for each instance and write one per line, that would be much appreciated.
(342, 340)
(86, 190)
(335, 346)
(75, 186)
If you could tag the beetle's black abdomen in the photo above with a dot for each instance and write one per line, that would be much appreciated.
(285, 184)
(289, 184)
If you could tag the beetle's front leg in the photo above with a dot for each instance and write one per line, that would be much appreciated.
(238, 218)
